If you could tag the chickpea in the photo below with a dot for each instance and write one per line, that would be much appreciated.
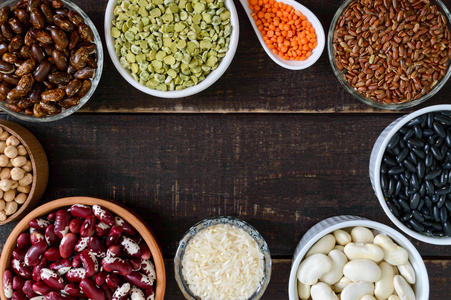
(9, 165)
(5, 173)
(2, 215)
(9, 195)
(4, 135)
(26, 180)
(1, 130)
(17, 174)
(5, 185)
(2, 146)
(21, 198)
(22, 150)
(4, 160)
(24, 189)
(14, 184)
(11, 151)
(27, 167)
(19, 161)
(12, 141)
(1, 195)
(11, 207)
(2, 204)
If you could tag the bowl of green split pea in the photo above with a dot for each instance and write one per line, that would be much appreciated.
(171, 48)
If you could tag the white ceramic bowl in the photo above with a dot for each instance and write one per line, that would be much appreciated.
(375, 164)
(293, 64)
(421, 287)
(207, 82)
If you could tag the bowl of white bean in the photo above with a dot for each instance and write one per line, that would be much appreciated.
(350, 257)
(24, 171)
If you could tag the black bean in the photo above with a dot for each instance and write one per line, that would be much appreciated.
(428, 132)
(384, 182)
(403, 130)
(441, 201)
(421, 205)
(443, 214)
(422, 189)
(417, 215)
(444, 178)
(436, 213)
(418, 131)
(430, 189)
(403, 179)
(432, 174)
(448, 139)
(447, 228)
(415, 201)
(430, 120)
(427, 223)
(428, 202)
(447, 166)
(413, 158)
(443, 151)
(444, 120)
(396, 151)
(449, 177)
(402, 144)
(427, 147)
(421, 170)
(418, 153)
(444, 190)
(406, 217)
(439, 142)
(391, 187)
(438, 184)
(416, 225)
(438, 128)
(402, 155)
(437, 226)
(393, 209)
(404, 204)
(434, 198)
(448, 205)
(436, 152)
(408, 174)
(428, 160)
(438, 233)
(416, 121)
(398, 187)
(408, 134)
(396, 170)
(389, 160)
(415, 143)
(393, 142)
(409, 165)
(384, 168)
(431, 140)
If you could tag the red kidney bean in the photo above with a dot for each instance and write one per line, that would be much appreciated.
(88, 227)
(41, 288)
(19, 254)
(18, 283)
(34, 253)
(60, 78)
(113, 251)
(41, 72)
(59, 59)
(102, 229)
(59, 37)
(37, 53)
(52, 254)
(50, 235)
(108, 292)
(67, 244)
(112, 281)
(139, 279)
(128, 229)
(135, 263)
(101, 278)
(23, 240)
(52, 279)
(97, 247)
(81, 211)
(62, 22)
(75, 225)
(90, 263)
(85, 73)
(114, 235)
(51, 216)
(76, 261)
(136, 293)
(62, 219)
(148, 269)
(28, 289)
(8, 283)
(150, 293)
(19, 296)
(73, 290)
(55, 296)
(75, 275)
(37, 269)
(37, 18)
(116, 265)
(89, 288)
(62, 266)
(27, 67)
(130, 247)
(21, 269)
(81, 244)
(122, 291)
(36, 237)
(145, 251)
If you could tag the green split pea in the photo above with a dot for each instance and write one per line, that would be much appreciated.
(171, 44)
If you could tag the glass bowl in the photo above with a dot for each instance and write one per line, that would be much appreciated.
(215, 221)
(330, 49)
(94, 81)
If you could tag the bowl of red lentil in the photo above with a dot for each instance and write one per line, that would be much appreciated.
(391, 54)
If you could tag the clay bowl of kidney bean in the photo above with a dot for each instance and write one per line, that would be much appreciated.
(26, 180)
(391, 54)
(107, 245)
(410, 171)
(51, 59)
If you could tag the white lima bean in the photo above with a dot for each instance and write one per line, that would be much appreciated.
(339, 248)
(339, 259)
(384, 287)
(362, 270)
(342, 237)
(322, 291)
(341, 284)
(407, 272)
(303, 291)
(356, 290)
(403, 289)
(368, 297)
(394, 297)
(313, 267)
(364, 250)
(393, 254)
(324, 245)
(362, 235)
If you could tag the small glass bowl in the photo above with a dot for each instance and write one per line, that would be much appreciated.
(215, 221)
(330, 49)
(94, 81)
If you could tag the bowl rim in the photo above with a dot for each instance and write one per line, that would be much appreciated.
(400, 122)
(95, 81)
(124, 212)
(353, 92)
(228, 220)
(211, 78)
(331, 224)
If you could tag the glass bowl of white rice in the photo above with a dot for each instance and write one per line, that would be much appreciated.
(222, 258)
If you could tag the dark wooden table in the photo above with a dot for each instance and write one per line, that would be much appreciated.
(280, 149)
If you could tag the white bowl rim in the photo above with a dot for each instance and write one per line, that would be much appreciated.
(206, 83)
(346, 221)
(377, 181)
(293, 64)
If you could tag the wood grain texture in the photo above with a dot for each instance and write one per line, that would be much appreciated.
(252, 84)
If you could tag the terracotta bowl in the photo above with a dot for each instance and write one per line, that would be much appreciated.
(138, 223)
(39, 163)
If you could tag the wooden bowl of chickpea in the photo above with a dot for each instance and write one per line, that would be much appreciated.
(24, 171)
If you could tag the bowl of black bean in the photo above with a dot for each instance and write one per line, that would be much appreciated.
(410, 171)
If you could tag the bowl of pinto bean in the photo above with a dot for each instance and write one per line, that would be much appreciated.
(51, 59)
(82, 247)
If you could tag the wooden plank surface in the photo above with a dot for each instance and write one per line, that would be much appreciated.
(252, 84)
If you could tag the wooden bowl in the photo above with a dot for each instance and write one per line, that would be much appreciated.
(39, 163)
(126, 214)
